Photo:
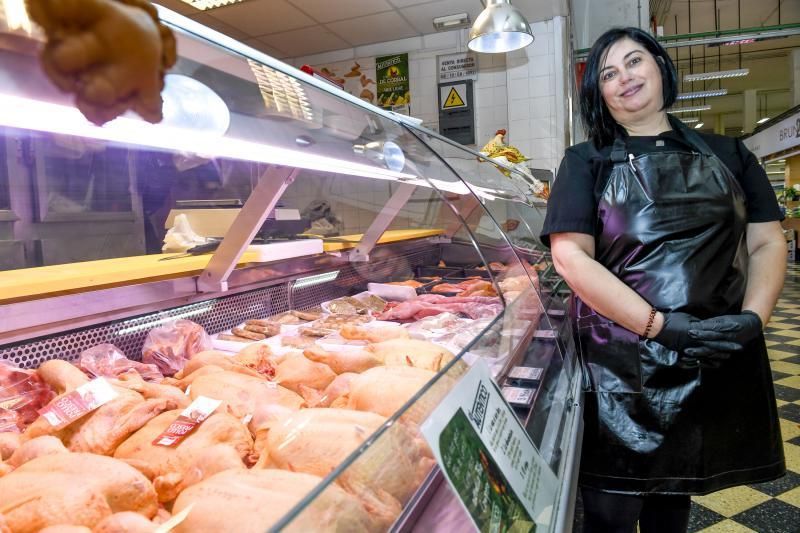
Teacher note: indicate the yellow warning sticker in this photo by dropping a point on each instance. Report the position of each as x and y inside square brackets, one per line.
[454, 99]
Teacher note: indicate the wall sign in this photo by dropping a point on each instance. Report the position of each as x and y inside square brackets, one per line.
[777, 138]
[393, 84]
[488, 458]
[457, 112]
[454, 67]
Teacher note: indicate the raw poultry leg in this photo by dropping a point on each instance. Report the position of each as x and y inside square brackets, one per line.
[338, 387]
[343, 361]
[125, 522]
[411, 352]
[150, 391]
[61, 375]
[296, 370]
[210, 461]
[38, 447]
[9, 442]
[226, 362]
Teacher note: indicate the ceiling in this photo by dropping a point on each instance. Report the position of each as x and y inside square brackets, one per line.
[294, 28]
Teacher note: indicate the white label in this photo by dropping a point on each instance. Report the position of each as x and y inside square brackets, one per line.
[86, 398]
[518, 395]
[454, 67]
[526, 373]
[481, 447]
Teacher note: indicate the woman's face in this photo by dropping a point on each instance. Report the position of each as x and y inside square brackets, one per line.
[630, 82]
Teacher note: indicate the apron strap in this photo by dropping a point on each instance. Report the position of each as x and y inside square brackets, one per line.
[690, 136]
[619, 152]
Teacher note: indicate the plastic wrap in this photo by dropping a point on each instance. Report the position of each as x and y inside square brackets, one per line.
[171, 345]
[22, 394]
[106, 360]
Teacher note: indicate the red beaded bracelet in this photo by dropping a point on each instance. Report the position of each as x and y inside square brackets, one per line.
[650, 320]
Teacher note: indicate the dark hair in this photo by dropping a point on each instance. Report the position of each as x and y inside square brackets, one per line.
[599, 124]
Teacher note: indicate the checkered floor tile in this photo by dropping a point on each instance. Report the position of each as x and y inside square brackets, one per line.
[772, 507]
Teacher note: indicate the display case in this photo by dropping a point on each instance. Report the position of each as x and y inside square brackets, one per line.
[312, 196]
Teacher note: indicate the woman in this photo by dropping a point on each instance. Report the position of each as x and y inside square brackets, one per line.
[671, 243]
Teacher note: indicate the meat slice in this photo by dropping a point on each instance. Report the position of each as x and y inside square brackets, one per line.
[168, 465]
[252, 501]
[78, 489]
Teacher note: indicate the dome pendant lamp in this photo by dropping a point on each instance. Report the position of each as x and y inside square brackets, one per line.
[499, 28]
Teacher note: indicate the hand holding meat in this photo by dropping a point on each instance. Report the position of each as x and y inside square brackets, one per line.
[111, 54]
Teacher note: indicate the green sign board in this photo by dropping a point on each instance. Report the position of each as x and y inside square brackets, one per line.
[393, 86]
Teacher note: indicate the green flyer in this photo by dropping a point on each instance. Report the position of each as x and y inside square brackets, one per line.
[393, 85]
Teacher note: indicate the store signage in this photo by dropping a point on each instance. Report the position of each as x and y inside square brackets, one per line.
[453, 96]
[454, 67]
[781, 136]
[393, 83]
[488, 458]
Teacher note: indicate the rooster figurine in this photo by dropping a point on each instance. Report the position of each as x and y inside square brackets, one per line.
[499, 151]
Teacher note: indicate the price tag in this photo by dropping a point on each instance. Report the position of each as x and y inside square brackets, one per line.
[525, 373]
[68, 408]
[191, 417]
[488, 458]
[519, 396]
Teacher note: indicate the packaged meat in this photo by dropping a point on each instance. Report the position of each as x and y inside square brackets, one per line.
[346, 305]
[169, 346]
[22, 394]
[106, 360]
[436, 326]
[373, 302]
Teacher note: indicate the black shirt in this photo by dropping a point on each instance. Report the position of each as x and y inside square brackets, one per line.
[572, 206]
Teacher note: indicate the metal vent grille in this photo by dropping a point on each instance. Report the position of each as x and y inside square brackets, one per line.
[129, 335]
[218, 314]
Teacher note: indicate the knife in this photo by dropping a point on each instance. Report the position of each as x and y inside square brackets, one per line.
[196, 250]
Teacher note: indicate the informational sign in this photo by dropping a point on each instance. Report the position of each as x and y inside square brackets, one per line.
[453, 96]
[488, 458]
[455, 67]
[777, 138]
[456, 111]
[356, 76]
[393, 84]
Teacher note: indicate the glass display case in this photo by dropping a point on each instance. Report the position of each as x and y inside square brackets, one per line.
[309, 195]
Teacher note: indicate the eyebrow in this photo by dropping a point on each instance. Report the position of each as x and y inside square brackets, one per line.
[624, 58]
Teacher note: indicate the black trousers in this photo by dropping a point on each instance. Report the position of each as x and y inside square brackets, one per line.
[605, 512]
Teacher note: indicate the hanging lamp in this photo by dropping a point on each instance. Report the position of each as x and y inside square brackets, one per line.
[499, 28]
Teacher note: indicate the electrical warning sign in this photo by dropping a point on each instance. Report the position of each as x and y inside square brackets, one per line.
[453, 96]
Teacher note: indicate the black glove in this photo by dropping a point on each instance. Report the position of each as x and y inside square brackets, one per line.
[703, 357]
[728, 333]
[674, 333]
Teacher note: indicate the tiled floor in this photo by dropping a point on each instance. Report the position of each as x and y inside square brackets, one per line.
[772, 507]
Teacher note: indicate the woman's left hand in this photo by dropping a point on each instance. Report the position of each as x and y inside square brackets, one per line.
[735, 330]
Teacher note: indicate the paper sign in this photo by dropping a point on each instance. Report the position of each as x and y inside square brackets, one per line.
[70, 407]
[191, 417]
[454, 67]
[393, 80]
[488, 458]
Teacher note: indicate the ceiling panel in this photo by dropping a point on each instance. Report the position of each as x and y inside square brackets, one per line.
[330, 10]
[259, 17]
[305, 41]
[373, 28]
[208, 20]
[421, 16]
[406, 3]
[261, 46]
[179, 7]
[539, 10]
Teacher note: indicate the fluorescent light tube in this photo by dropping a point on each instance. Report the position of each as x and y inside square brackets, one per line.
[762, 120]
[210, 4]
[689, 109]
[699, 125]
[701, 76]
[690, 120]
[702, 94]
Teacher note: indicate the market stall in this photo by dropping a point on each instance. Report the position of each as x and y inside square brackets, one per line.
[313, 276]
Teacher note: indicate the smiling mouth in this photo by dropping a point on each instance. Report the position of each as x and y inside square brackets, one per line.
[632, 91]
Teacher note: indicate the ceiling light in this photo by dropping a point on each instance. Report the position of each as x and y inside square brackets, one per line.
[717, 75]
[499, 28]
[210, 4]
[698, 125]
[762, 120]
[690, 120]
[689, 109]
[451, 22]
[702, 94]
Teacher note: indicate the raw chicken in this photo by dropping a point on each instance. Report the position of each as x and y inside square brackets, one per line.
[385, 389]
[240, 394]
[264, 418]
[338, 387]
[252, 501]
[63, 528]
[296, 370]
[73, 488]
[343, 361]
[227, 362]
[373, 334]
[9, 442]
[411, 352]
[210, 461]
[38, 447]
[22, 394]
[171, 463]
[125, 522]
[133, 381]
[102, 430]
[106, 360]
[316, 441]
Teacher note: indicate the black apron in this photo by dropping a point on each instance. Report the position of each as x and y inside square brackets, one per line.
[671, 225]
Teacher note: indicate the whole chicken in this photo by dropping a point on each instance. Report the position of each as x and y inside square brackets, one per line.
[103, 429]
[165, 465]
[240, 394]
[252, 501]
[411, 352]
[297, 370]
[316, 441]
[256, 364]
[384, 389]
[125, 522]
[78, 489]
[344, 361]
